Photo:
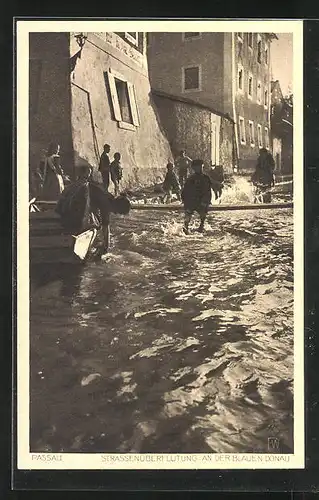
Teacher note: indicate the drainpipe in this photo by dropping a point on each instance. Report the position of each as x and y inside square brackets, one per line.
[234, 85]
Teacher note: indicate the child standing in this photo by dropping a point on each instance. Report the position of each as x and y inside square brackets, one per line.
[116, 172]
[171, 184]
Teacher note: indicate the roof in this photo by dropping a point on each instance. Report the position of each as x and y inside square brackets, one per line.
[186, 100]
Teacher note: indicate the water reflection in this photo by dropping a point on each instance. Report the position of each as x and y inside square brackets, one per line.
[187, 341]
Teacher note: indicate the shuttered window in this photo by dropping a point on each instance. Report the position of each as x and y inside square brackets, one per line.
[123, 100]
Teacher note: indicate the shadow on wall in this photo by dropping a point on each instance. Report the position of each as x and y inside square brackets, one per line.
[159, 122]
[79, 161]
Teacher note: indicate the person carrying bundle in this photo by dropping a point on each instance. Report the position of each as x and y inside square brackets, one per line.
[85, 204]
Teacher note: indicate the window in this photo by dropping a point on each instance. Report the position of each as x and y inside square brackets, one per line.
[240, 78]
[250, 40]
[251, 133]
[259, 49]
[266, 98]
[259, 135]
[266, 138]
[191, 78]
[266, 55]
[190, 35]
[132, 37]
[250, 86]
[259, 92]
[242, 134]
[123, 101]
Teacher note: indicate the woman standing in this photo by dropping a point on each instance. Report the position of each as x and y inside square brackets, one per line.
[51, 174]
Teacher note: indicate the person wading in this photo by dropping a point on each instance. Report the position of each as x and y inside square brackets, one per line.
[84, 205]
[104, 166]
[263, 178]
[196, 196]
[183, 164]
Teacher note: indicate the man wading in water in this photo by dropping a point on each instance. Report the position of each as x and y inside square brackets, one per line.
[196, 196]
[85, 204]
[183, 164]
[263, 178]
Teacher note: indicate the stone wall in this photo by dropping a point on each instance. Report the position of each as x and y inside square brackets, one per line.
[144, 148]
[188, 127]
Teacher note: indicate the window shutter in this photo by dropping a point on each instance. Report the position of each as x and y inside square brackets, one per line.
[114, 97]
[134, 111]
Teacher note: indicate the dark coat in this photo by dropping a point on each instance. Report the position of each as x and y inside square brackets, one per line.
[82, 205]
[264, 173]
[197, 192]
[171, 182]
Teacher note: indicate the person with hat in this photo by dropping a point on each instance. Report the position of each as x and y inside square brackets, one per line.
[85, 204]
[104, 166]
[196, 196]
[183, 163]
[171, 184]
[263, 178]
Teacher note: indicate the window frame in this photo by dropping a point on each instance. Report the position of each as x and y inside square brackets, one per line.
[252, 41]
[267, 146]
[259, 99]
[241, 119]
[266, 92]
[266, 52]
[250, 76]
[240, 68]
[199, 66]
[259, 136]
[259, 41]
[251, 138]
[131, 39]
[111, 75]
[187, 39]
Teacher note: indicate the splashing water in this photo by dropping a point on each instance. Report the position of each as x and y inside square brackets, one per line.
[238, 193]
[185, 343]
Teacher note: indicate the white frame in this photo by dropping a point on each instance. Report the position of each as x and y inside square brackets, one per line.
[250, 47]
[259, 39]
[241, 120]
[191, 38]
[240, 68]
[199, 66]
[259, 136]
[259, 98]
[131, 39]
[264, 93]
[251, 136]
[112, 74]
[266, 53]
[267, 142]
[250, 96]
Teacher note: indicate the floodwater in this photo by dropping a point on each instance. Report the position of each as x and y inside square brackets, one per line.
[174, 344]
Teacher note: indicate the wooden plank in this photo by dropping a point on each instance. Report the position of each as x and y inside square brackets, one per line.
[214, 208]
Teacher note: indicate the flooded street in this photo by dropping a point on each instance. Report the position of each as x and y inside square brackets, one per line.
[173, 344]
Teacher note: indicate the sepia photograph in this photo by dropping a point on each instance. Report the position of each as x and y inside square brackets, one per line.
[160, 235]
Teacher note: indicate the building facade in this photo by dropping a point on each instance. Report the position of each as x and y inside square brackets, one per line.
[199, 130]
[88, 89]
[229, 72]
[281, 116]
